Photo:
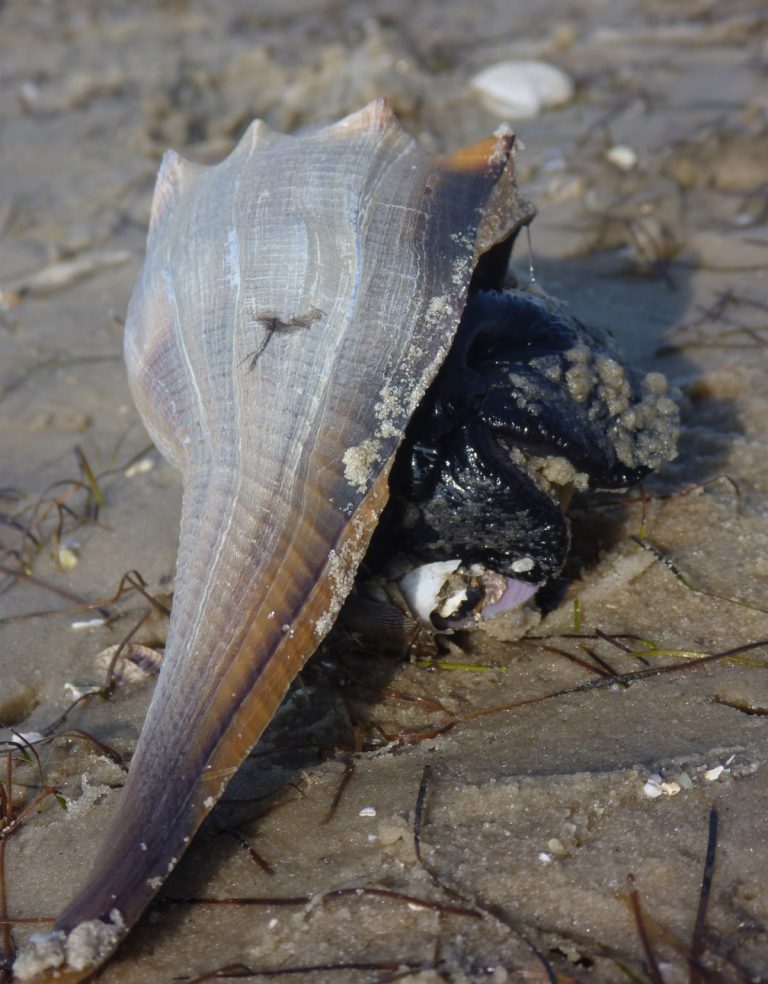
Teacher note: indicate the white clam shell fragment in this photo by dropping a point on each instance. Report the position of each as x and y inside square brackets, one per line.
[421, 587]
[295, 303]
[622, 157]
[518, 90]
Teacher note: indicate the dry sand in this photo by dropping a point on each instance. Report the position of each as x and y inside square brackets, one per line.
[541, 818]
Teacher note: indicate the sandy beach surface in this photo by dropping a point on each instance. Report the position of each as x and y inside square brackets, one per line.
[554, 835]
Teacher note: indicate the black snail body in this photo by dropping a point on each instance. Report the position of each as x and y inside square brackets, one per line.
[529, 404]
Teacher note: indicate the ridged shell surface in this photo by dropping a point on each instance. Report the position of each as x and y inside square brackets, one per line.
[295, 303]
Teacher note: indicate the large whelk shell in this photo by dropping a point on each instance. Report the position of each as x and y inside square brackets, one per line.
[295, 302]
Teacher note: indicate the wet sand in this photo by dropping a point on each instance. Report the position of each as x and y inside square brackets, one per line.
[539, 820]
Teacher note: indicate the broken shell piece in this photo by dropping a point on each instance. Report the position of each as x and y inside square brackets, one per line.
[622, 157]
[140, 467]
[88, 623]
[652, 788]
[519, 90]
[67, 555]
[422, 586]
[134, 665]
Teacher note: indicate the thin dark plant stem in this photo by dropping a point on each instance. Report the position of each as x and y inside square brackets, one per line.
[349, 768]
[109, 682]
[650, 957]
[697, 938]
[418, 814]
[491, 910]
[5, 826]
[8, 947]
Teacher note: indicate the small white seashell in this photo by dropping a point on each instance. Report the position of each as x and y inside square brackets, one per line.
[453, 602]
[88, 623]
[422, 586]
[671, 788]
[523, 565]
[522, 89]
[622, 157]
[711, 774]
[67, 558]
[140, 467]
[556, 847]
[652, 788]
[368, 811]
